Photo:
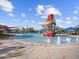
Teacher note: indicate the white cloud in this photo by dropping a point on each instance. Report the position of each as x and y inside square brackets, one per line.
[30, 9]
[52, 10]
[40, 9]
[76, 12]
[40, 23]
[33, 21]
[60, 14]
[59, 22]
[77, 7]
[75, 17]
[68, 18]
[61, 18]
[6, 6]
[23, 15]
[63, 23]
[68, 22]
[43, 16]
[48, 9]
[26, 21]
[36, 15]
[10, 14]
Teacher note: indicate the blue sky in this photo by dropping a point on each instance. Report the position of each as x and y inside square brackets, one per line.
[34, 12]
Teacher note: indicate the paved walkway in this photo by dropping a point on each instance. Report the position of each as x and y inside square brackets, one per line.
[42, 52]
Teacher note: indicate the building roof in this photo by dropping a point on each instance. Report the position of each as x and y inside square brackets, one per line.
[71, 28]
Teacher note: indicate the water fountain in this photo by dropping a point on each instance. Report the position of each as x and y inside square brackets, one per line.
[68, 39]
[58, 40]
[48, 40]
[77, 39]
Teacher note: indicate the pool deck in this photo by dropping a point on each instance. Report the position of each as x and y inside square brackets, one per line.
[40, 51]
[77, 36]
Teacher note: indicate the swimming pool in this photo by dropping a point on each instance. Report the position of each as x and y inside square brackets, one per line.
[37, 38]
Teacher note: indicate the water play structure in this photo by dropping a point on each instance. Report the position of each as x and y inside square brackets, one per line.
[50, 25]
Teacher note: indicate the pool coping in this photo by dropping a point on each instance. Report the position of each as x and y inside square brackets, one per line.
[47, 45]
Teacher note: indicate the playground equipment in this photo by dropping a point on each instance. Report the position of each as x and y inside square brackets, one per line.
[50, 25]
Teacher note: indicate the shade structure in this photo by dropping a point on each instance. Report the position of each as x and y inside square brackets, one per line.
[71, 28]
[11, 27]
[1, 27]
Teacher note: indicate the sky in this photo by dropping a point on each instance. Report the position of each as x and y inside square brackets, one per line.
[33, 13]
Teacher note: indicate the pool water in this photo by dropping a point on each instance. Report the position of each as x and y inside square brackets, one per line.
[37, 38]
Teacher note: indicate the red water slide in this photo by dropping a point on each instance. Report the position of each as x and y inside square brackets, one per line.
[50, 17]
